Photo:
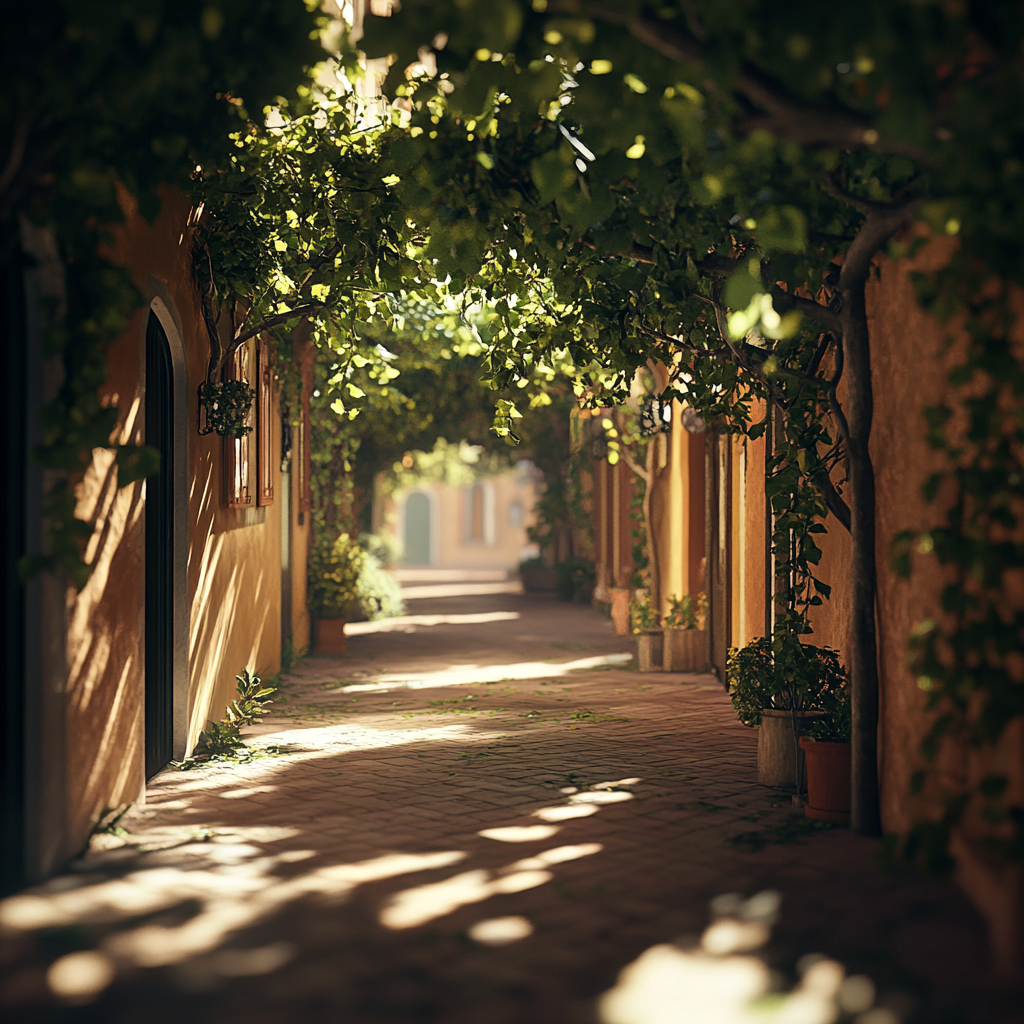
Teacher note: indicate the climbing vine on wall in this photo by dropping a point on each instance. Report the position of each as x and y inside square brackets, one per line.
[104, 103]
[967, 659]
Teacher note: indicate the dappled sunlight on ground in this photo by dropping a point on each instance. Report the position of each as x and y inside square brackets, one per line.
[717, 981]
[540, 849]
[473, 675]
[434, 590]
[410, 623]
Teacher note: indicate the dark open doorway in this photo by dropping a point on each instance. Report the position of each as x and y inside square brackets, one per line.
[159, 551]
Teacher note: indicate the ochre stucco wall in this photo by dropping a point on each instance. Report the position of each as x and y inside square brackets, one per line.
[105, 674]
[910, 364]
[908, 373]
[234, 576]
[234, 582]
[677, 510]
[749, 538]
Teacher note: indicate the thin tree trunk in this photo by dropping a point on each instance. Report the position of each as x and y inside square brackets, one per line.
[863, 654]
[652, 554]
[880, 224]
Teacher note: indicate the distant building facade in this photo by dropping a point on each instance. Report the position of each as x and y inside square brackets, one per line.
[482, 526]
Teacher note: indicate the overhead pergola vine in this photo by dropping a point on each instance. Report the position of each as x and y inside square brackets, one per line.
[709, 132]
[706, 183]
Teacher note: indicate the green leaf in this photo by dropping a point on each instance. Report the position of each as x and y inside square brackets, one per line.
[553, 173]
[136, 463]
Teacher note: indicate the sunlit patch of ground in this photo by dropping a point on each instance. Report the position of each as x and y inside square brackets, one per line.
[537, 847]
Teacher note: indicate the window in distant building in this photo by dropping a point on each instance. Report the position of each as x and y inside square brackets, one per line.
[515, 514]
[475, 515]
[264, 425]
[480, 514]
[239, 449]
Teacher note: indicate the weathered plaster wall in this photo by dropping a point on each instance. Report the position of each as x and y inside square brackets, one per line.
[748, 539]
[234, 582]
[908, 374]
[677, 508]
[910, 363]
[234, 555]
[105, 665]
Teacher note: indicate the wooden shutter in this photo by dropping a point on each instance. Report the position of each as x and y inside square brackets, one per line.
[264, 425]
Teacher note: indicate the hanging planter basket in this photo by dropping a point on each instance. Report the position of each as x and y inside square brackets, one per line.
[224, 408]
[655, 415]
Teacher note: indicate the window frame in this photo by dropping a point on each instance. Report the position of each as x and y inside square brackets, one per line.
[264, 423]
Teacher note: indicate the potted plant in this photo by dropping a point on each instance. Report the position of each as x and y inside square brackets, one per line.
[684, 639]
[537, 577]
[826, 748]
[575, 580]
[649, 635]
[782, 686]
[334, 569]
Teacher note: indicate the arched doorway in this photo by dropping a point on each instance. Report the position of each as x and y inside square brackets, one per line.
[159, 694]
[417, 529]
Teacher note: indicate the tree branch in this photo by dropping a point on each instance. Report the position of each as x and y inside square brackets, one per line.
[881, 223]
[271, 321]
[784, 301]
[635, 466]
[210, 320]
[787, 116]
[833, 499]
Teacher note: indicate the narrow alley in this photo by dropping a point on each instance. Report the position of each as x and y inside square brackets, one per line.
[481, 813]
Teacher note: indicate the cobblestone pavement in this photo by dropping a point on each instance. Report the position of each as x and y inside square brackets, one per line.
[479, 815]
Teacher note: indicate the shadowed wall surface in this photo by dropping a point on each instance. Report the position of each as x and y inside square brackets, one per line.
[234, 556]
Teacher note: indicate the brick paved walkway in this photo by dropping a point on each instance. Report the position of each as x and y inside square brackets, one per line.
[480, 815]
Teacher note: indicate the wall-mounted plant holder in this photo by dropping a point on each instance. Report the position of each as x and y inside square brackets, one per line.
[224, 408]
[655, 415]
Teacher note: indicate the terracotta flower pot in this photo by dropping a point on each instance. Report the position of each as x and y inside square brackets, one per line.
[684, 650]
[329, 636]
[649, 648]
[828, 780]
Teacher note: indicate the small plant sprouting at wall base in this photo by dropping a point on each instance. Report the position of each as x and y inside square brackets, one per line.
[224, 738]
[108, 823]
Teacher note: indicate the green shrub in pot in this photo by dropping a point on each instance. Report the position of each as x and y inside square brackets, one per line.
[334, 569]
[575, 579]
[378, 593]
[642, 615]
[781, 680]
[784, 674]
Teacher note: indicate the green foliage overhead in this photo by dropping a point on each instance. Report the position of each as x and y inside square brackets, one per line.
[98, 94]
[686, 174]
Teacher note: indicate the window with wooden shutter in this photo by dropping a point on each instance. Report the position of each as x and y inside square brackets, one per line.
[264, 424]
[239, 449]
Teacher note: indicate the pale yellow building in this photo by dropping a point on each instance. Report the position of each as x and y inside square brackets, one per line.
[481, 526]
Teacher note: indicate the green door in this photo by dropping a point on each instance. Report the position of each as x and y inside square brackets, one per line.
[417, 529]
